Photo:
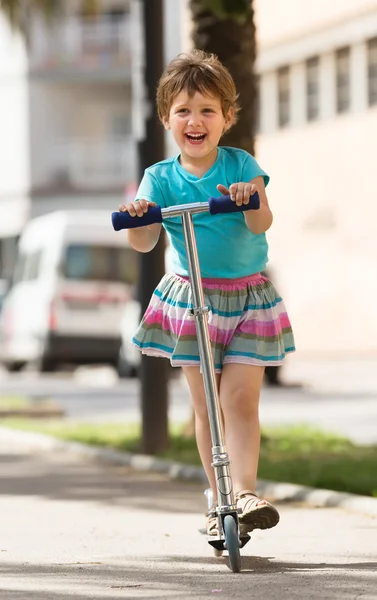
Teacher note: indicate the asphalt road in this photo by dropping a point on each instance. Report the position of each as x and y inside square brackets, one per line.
[338, 396]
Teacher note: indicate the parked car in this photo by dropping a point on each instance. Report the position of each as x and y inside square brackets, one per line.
[72, 279]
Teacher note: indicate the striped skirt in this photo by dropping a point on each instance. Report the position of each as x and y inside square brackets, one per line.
[248, 322]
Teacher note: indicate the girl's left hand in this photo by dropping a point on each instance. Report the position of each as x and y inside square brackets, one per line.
[239, 192]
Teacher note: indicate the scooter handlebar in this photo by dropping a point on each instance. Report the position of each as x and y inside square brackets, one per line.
[123, 220]
[221, 204]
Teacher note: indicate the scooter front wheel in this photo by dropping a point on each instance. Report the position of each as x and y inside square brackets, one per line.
[232, 543]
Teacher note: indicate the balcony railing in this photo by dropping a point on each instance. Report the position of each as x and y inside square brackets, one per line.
[80, 44]
[90, 165]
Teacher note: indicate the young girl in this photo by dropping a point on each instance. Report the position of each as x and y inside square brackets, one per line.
[249, 326]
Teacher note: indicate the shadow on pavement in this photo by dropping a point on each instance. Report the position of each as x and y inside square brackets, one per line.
[188, 577]
[61, 477]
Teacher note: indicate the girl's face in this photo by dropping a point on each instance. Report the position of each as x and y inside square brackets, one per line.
[197, 124]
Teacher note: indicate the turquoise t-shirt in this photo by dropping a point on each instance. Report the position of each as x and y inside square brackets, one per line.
[226, 247]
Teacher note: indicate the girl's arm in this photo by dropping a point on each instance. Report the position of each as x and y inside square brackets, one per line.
[258, 221]
[144, 239]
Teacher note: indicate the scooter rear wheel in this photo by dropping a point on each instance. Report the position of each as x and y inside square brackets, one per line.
[232, 543]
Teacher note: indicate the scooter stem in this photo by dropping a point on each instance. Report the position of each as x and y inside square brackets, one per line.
[221, 463]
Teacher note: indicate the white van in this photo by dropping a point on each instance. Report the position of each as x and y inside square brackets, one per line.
[129, 355]
[73, 277]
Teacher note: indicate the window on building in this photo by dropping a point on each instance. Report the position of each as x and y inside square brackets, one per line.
[312, 88]
[342, 80]
[372, 72]
[283, 97]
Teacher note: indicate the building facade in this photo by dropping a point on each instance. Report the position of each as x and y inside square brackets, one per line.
[317, 137]
[67, 113]
[14, 143]
[81, 150]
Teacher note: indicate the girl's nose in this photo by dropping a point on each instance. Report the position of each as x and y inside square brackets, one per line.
[194, 119]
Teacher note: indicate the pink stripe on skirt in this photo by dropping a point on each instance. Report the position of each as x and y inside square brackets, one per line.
[223, 283]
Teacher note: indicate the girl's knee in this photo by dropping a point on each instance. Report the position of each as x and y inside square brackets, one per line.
[240, 390]
[243, 401]
[195, 382]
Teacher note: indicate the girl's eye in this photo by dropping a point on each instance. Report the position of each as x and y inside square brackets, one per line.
[209, 110]
[182, 110]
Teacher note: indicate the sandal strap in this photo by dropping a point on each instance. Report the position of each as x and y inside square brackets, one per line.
[248, 501]
[211, 524]
[244, 494]
[212, 512]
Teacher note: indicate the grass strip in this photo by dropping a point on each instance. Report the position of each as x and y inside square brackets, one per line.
[297, 454]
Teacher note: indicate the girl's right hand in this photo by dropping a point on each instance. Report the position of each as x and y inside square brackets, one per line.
[137, 208]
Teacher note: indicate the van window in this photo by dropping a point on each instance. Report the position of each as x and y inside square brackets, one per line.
[100, 263]
[27, 266]
[33, 262]
[19, 269]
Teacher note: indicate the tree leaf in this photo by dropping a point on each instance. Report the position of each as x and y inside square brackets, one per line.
[238, 10]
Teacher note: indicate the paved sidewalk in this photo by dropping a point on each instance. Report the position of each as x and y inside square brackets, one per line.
[77, 529]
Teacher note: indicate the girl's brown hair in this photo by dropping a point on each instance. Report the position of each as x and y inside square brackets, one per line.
[196, 71]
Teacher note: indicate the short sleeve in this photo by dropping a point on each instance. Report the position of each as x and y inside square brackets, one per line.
[150, 189]
[251, 169]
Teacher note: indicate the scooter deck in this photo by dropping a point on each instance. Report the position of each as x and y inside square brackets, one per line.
[218, 543]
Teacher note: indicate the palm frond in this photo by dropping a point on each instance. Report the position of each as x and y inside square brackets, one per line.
[14, 12]
[237, 10]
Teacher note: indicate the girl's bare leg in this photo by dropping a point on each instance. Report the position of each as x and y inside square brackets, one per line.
[239, 391]
[202, 431]
[239, 398]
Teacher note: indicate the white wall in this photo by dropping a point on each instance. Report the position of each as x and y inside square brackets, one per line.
[280, 19]
[323, 243]
[323, 246]
[14, 178]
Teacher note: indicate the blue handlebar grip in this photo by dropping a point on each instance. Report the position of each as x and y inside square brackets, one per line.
[223, 204]
[123, 220]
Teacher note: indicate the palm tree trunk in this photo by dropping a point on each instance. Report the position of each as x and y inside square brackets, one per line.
[226, 28]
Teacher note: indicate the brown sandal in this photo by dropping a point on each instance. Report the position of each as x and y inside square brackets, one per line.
[211, 525]
[255, 515]
[212, 528]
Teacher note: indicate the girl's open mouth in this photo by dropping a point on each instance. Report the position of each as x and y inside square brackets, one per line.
[195, 138]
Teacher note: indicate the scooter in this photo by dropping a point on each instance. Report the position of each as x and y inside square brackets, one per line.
[226, 510]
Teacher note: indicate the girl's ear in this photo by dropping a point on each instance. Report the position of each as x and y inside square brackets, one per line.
[166, 124]
[229, 118]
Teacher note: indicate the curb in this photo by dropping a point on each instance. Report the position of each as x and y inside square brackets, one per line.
[280, 492]
[31, 413]
[39, 409]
